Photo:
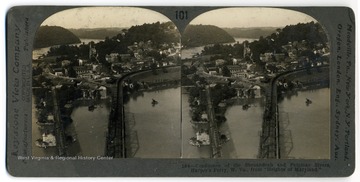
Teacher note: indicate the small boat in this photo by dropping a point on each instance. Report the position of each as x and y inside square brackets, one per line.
[308, 101]
[91, 107]
[245, 106]
[154, 102]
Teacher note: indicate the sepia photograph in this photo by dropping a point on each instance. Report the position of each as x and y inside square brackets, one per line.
[255, 85]
[238, 83]
[180, 91]
[106, 82]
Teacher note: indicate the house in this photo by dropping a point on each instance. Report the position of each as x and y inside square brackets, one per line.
[267, 56]
[220, 62]
[65, 63]
[112, 57]
[102, 91]
[235, 61]
[255, 91]
[213, 70]
[204, 117]
[83, 72]
[81, 62]
[125, 57]
[235, 69]
[203, 137]
[58, 71]
[81, 69]
[49, 139]
[279, 56]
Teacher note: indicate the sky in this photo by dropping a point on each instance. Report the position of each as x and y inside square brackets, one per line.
[251, 17]
[124, 17]
[100, 17]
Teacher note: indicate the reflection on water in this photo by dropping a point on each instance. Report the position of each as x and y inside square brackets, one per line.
[157, 126]
[90, 129]
[163, 130]
[243, 128]
[309, 125]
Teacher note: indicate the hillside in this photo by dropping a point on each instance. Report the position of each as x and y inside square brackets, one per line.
[254, 32]
[304, 37]
[96, 33]
[199, 35]
[47, 36]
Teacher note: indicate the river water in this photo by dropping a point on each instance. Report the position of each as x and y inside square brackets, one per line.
[307, 127]
[157, 126]
[37, 53]
[243, 127]
[88, 128]
[190, 52]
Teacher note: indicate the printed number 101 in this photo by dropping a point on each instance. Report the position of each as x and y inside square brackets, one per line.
[181, 15]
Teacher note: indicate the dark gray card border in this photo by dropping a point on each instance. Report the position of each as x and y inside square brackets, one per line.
[22, 23]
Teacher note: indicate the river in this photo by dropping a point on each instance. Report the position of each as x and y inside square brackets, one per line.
[88, 128]
[155, 129]
[243, 127]
[306, 128]
[37, 53]
[190, 52]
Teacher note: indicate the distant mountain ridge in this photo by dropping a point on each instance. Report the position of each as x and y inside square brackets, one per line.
[199, 35]
[47, 36]
[253, 32]
[96, 33]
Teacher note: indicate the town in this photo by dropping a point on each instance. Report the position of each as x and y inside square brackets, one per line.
[241, 73]
[106, 76]
[87, 73]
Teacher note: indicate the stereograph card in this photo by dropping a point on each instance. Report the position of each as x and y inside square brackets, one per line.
[180, 91]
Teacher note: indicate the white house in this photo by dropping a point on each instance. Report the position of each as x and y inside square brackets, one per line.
[256, 90]
[203, 137]
[102, 91]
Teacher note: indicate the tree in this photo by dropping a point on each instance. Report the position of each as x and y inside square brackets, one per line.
[153, 67]
[117, 68]
[71, 72]
[226, 72]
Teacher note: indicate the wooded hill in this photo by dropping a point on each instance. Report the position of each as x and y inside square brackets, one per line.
[47, 36]
[96, 33]
[253, 32]
[199, 35]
